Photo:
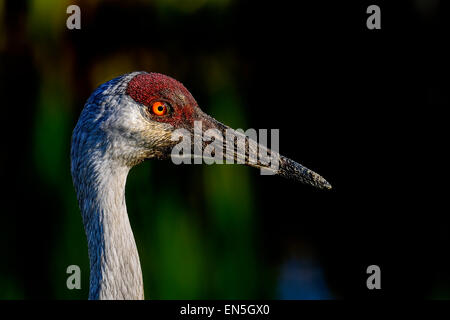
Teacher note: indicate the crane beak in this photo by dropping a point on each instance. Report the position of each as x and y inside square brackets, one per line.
[249, 151]
[292, 170]
[277, 164]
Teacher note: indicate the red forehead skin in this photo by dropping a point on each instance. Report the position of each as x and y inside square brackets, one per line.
[147, 88]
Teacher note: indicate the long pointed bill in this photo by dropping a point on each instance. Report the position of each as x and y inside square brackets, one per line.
[213, 142]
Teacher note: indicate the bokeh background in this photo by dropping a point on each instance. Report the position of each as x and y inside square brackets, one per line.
[363, 108]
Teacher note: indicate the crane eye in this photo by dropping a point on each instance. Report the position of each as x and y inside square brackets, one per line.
[159, 108]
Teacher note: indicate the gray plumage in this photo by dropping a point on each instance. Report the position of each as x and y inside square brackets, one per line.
[99, 173]
[114, 133]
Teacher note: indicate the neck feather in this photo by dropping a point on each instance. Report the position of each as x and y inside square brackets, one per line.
[115, 271]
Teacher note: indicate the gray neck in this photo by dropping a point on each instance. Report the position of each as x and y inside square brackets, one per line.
[115, 270]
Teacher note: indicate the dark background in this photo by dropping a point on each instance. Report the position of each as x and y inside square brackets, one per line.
[364, 108]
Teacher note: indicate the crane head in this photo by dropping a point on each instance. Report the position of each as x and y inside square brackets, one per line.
[133, 117]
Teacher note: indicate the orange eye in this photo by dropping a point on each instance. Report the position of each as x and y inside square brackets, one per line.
[159, 108]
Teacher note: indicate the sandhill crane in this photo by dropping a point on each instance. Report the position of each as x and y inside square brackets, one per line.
[125, 121]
